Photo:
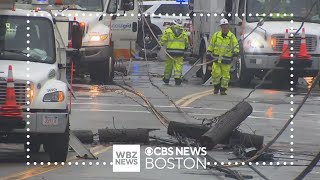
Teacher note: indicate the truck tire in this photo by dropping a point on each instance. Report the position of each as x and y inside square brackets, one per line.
[204, 71]
[148, 37]
[104, 72]
[199, 73]
[57, 145]
[34, 147]
[242, 75]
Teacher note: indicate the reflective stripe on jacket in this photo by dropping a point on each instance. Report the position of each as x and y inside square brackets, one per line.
[224, 48]
[175, 43]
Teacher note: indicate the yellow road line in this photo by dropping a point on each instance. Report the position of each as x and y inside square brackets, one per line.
[190, 96]
[46, 168]
[191, 100]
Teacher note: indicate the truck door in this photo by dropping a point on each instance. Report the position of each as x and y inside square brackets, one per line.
[124, 27]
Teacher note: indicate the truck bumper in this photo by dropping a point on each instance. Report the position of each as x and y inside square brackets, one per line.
[44, 123]
[266, 62]
[96, 53]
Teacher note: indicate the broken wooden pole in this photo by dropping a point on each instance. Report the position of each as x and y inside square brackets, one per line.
[124, 135]
[246, 140]
[85, 136]
[225, 125]
[194, 131]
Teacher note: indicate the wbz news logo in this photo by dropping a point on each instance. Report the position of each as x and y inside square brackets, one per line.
[126, 158]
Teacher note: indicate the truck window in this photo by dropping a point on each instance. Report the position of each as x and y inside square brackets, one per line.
[146, 7]
[13, 39]
[299, 8]
[112, 6]
[129, 3]
[172, 9]
[84, 5]
[241, 8]
[229, 6]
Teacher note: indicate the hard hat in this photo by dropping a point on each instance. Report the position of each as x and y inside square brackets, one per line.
[223, 21]
[178, 22]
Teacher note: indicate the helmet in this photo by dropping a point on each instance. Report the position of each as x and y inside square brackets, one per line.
[178, 22]
[223, 21]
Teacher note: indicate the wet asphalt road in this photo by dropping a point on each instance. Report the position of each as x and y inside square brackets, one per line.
[98, 107]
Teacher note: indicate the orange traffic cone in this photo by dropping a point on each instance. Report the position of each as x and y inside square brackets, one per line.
[10, 107]
[303, 54]
[285, 48]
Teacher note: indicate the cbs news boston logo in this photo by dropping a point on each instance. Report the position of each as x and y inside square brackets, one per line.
[126, 158]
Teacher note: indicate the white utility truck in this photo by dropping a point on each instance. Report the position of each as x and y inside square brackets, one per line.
[30, 42]
[102, 46]
[262, 42]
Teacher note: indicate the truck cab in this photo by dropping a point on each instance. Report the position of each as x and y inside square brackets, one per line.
[262, 49]
[105, 39]
[32, 45]
[260, 26]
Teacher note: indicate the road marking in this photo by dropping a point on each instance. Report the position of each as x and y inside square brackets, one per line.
[195, 114]
[185, 107]
[109, 110]
[190, 96]
[191, 100]
[46, 168]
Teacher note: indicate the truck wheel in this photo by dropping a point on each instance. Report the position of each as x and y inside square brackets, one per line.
[34, 147]
[57, 145]
[243, 77]
[149, 39]
[199, 73]
[109, 75]
[105, 71]
[205, 71]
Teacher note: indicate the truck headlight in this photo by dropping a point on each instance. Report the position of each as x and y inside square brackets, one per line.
[255, 43]
[54, 97]
[99, 38]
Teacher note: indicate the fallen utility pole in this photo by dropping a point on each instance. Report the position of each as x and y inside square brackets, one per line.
[246, 140]
[194, 131]
[226, 124]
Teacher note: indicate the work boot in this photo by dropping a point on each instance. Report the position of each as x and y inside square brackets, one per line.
[166, 81]
[223, 91]
[178, 81]
[216, 88]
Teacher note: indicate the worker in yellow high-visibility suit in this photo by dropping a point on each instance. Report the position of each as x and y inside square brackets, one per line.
[176, 40]
[223, 47]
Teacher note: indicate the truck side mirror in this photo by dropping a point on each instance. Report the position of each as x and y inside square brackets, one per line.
[76, 35]
[127, 5]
